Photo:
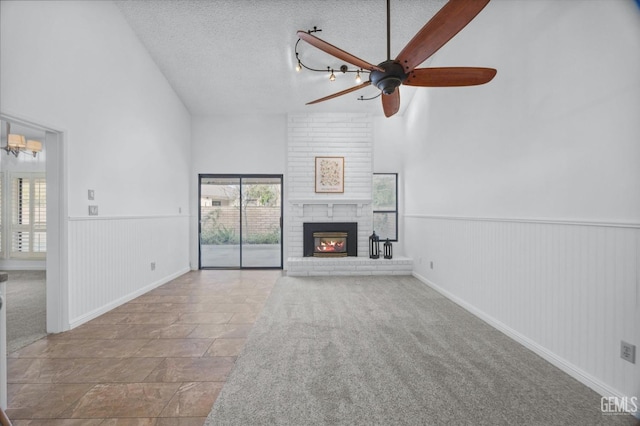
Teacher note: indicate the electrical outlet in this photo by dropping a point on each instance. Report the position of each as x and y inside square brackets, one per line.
[431, 264]
[179, 210]
[628, 352]
[93, 210]
[153, 266]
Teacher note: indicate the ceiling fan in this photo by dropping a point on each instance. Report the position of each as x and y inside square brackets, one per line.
[392, 73]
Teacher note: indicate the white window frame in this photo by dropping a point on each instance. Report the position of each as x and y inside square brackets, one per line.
[31, 228]
[389, 211]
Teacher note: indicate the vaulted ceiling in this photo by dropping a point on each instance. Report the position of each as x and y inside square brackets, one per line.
[237, 56]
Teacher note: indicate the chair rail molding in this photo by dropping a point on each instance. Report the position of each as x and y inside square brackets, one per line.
[545, 221]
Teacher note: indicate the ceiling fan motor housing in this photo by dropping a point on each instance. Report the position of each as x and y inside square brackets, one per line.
[392, 77]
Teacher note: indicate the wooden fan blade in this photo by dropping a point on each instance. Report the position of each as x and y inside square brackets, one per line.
[391, 103]
[337, 52]
[449, 76]
[344, 92]
[445, 24]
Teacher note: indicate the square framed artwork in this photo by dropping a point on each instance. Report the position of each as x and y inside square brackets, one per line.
[330, 174]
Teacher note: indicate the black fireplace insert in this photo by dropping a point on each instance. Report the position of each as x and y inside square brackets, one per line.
[330, 239]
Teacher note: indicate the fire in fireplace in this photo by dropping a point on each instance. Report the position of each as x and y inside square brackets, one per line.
[330, 244]
[330, 239]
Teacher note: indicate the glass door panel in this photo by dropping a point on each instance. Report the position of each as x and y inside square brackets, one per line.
[240, 221]
[219, 222]
[261, 232]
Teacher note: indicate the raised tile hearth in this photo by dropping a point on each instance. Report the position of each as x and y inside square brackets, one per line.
[317, 266]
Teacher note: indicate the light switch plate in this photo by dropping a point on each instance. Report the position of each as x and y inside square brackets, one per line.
[628, 352]
[91, 194]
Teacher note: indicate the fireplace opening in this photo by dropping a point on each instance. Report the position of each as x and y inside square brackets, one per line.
[330, 244]
[330, 239]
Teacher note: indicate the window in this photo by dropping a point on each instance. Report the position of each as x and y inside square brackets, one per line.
[385, 205]
[28, 207]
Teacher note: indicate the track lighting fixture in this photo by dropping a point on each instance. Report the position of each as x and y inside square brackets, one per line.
[332, 77]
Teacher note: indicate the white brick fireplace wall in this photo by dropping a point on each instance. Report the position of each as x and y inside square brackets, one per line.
[331, 135]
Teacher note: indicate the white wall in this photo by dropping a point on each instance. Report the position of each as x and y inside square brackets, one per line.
[239, 144]
[525, 192]
[559, 119]
[245, 144]
[78, 68]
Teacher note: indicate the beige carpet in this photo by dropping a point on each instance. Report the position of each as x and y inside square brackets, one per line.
[26, 308]
[391, 351]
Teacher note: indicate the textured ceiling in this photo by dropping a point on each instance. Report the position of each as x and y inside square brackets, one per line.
[237, 56]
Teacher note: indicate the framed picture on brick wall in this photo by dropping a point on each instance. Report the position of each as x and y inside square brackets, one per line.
[330, 174]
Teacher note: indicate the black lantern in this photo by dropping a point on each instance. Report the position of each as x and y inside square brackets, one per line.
[388, 250]
[374, 246]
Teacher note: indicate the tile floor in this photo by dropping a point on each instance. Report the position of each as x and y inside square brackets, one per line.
[158, 360]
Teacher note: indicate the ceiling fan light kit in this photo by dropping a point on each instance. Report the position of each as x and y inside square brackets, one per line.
[389, 75]
[392, 77]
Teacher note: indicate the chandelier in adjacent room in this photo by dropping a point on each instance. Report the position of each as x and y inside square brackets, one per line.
[17, 144]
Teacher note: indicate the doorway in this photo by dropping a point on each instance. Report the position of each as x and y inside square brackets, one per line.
[23, 236]
[55, 238]
[240, 221]
[56, 229]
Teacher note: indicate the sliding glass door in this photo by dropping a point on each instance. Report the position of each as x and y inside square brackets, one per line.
[219, 222]
[240, 221]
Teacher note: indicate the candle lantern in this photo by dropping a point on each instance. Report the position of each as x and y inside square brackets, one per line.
[388, 250]
[374, 246]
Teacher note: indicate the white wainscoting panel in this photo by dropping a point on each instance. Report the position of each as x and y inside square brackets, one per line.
[110, 260]
[568, 290]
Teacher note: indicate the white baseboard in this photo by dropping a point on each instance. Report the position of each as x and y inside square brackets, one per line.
[106, 308]
[598, 386]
